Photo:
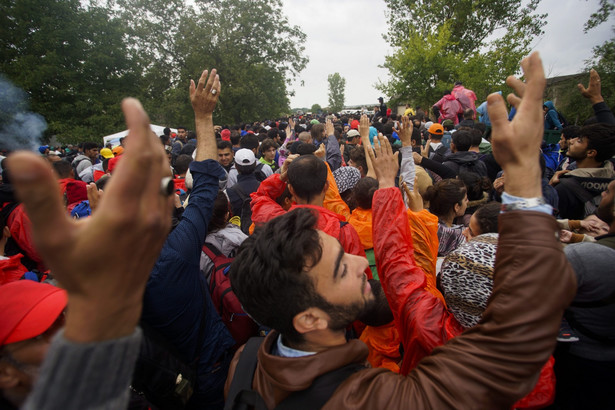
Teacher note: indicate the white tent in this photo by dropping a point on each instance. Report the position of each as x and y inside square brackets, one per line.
[114, 139]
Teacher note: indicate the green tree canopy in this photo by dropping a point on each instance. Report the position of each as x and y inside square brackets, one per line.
[337, 86]
[316, 108]
[443, 41]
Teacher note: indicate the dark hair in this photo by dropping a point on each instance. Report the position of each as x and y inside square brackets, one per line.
[182, 128]
[272, 133]
[475, 185]
[249, 141]
[245, 169]
[89, 145]
[62, 168]
[462, 140]
[364, 192]
[235, 137]
[307, 175]
[164, 139]
[481, 127]
[219, 212]
[600, 137]
[182, 163]
[317, 130]
[269, 273]
[191, 135]
[477, 137]
[267, 144]
[571, 131]
[187, 149]
[225, 145]
[357, 155]
[468, 114]
[167, 131]
[487, 217]
[416, 136]
[444, 195]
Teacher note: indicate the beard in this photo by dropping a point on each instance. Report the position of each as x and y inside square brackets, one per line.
[605, 213]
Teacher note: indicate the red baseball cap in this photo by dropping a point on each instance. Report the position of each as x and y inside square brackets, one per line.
[354, 125]
[225, 134]
[28, 309]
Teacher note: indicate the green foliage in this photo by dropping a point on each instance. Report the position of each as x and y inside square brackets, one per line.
[316, 108]
[440, 42]
[603, 61]
[71, 61]
[337, 85]
[606, 8]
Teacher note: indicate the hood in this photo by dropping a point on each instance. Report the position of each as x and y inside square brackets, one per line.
[607, 171]
[227, 239]
[449, 97]
[463, 157]
[328, 222]
[549, 105]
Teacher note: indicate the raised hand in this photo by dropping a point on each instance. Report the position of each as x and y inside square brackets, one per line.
[384, 162]
[204, 95]
[516, 143]
[593, 91]
[405, 131]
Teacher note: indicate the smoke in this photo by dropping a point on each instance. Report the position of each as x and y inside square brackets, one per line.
[19, 128]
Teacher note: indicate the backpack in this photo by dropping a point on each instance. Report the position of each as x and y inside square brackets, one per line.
[588, 190]
[161, 375]
[562, 119]
[239, 324]
[75, 165]
[258, 172]
[246, 209]
[241, 396]
[81, 210]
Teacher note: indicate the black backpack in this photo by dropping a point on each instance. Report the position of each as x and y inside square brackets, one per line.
[246, 208]
[161, 376]
[242, 397]
[258, 172]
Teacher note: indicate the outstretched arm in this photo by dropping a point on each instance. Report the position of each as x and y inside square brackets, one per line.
[593, 93]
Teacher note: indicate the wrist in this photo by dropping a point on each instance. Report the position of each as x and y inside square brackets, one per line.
[596, 100]
[203, 117]
[386, 183]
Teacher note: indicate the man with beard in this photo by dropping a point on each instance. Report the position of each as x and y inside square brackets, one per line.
[296, 279]
[585, 370]
[579, 190]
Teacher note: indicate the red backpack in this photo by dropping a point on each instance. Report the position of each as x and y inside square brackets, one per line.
[241, 326]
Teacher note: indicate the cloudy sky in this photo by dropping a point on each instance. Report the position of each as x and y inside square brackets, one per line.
[345, 36]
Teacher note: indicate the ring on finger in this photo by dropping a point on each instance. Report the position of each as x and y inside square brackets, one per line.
[214, 91]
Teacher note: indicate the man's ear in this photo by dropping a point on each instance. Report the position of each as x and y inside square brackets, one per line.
[310, 319]
[453, 148]
[8, 376]
[591, 153]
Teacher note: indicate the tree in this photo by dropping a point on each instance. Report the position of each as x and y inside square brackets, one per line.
[316, 108]
[337, 84]
[439, 42]
[71, 61]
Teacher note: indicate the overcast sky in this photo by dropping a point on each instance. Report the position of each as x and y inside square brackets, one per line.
[345, 36]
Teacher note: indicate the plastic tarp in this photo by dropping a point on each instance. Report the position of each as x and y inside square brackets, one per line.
[114, 139]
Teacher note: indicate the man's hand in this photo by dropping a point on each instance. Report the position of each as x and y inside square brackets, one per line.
[565, 236]
[204, 95]
[595, 226]
[104, 261]
[94, 195]
[321, 151]
[593, 91]
[405, 131]
[418, 158]
[555, 178]
[329, 130]
[364, 130]
[284, 169]
[414, 200]
[516, 143]
[425, 149]
[384, 162]
[498, 184]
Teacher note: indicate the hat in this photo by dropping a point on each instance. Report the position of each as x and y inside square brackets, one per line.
[346, 178]
[76, 191]
[354, 125]
[436, 129]
[352, 133]
[119, 150]
[225, 134]
[245, 156]
[43, 148]
[447, 123]
[28, 309]
[466, 278]
[106, 153]
[380, 99]
[314, 122]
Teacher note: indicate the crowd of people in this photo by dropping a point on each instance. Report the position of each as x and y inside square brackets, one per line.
[326, 261]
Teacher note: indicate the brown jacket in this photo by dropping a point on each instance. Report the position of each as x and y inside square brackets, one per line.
[489, 366]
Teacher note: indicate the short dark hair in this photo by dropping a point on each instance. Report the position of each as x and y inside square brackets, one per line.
[357, 155]
[468, 114]
[462, 140]
[182, 128]
[225, 145]
[182, 163]
[487, 217]
[364, 192]
[477, 137]
[307, 175]
[89, 145]
[269, 273]
[267, 144]
[600, 137]
[475, 184]
[62, 168]
[235, 137]
[249, 141]
[571, 131]
[245, 169]
[220, 210]
[316, 130]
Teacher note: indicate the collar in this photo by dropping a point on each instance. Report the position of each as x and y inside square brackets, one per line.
[285, 351]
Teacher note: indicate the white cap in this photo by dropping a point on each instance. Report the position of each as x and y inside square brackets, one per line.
[245, 157]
